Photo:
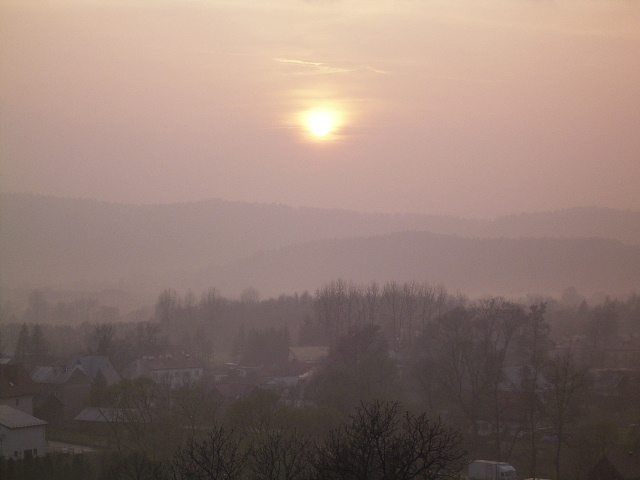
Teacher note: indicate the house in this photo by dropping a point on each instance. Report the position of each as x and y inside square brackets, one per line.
[173, 367]
[615, 382]
[617, 465]
[21, 435]
[97, 367]
[520, 378]
[17, 389]
[287, 388]
[70, 385]
[107, 421]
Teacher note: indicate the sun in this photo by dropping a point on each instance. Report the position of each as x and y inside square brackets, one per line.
[321, 122]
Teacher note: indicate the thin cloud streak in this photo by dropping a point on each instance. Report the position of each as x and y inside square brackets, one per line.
[325, 68]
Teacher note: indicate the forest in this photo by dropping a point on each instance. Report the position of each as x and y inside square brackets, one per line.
[548, 385]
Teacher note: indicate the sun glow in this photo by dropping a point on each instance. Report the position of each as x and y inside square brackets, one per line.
[321, 122]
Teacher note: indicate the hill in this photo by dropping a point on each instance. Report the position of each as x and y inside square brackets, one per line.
[474, 266]
[76, 242]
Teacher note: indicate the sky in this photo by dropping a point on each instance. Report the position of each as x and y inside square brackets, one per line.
[473, 108]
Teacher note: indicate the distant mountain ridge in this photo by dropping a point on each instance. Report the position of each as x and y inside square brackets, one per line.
[51, 240]
[473, 266]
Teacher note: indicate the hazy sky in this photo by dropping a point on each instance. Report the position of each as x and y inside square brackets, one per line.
[468, 107]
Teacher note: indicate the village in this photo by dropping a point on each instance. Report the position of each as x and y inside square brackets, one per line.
[573, 403]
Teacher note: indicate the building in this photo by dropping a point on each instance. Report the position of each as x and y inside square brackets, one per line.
[308, 357]
[21, 435]
[70, 385]
[17, 389]
[173, 367]
[98, 368]
[617, 465]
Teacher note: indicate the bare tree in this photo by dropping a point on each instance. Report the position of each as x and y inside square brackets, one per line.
[168, 306]
[471, 347]
[535, 345]
[496, 322]
[220, 456]
[392, 301]
[567, 382]
[146, 336]
[371, 304]
[134, 465]
[130, 413]
[281, 455]
[101, 339]
[460, 370]
[379, 443]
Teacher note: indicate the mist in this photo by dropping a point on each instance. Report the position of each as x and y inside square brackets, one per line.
[304, 240]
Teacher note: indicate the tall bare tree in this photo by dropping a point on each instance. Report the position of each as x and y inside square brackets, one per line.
[535, 345]
[568, 383]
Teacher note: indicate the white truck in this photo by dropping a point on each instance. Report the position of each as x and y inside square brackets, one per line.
[490, 470]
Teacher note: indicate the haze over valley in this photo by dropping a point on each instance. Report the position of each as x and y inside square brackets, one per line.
[75, 244]
[319, 239]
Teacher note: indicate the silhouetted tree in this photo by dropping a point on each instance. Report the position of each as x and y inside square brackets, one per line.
[146, 336]
[221, 455]
[460, 369]
[601, 328]
[281, 455]
[496, 323]
[255, 415]
[358, 368]
[168, 306]
[568, 384]
[133, 465]
[535, 345]
[101, 339]
[378, 442]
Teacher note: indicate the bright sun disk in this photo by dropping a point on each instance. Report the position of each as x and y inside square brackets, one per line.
[320, 123]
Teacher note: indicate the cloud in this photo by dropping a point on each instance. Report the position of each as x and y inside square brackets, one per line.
[321, 68]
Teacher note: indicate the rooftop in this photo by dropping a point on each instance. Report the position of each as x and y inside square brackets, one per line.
[12, 418]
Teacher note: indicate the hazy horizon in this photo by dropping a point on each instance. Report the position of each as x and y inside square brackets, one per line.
[160, 203]
[465, 108]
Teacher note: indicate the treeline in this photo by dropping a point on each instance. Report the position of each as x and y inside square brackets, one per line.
[515, 377]
[208, 325]
[214, 326]
[494, 367]
[377, 440]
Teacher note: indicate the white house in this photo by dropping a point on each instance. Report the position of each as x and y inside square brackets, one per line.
[21, 434]
[308, 356]
[173, 368]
